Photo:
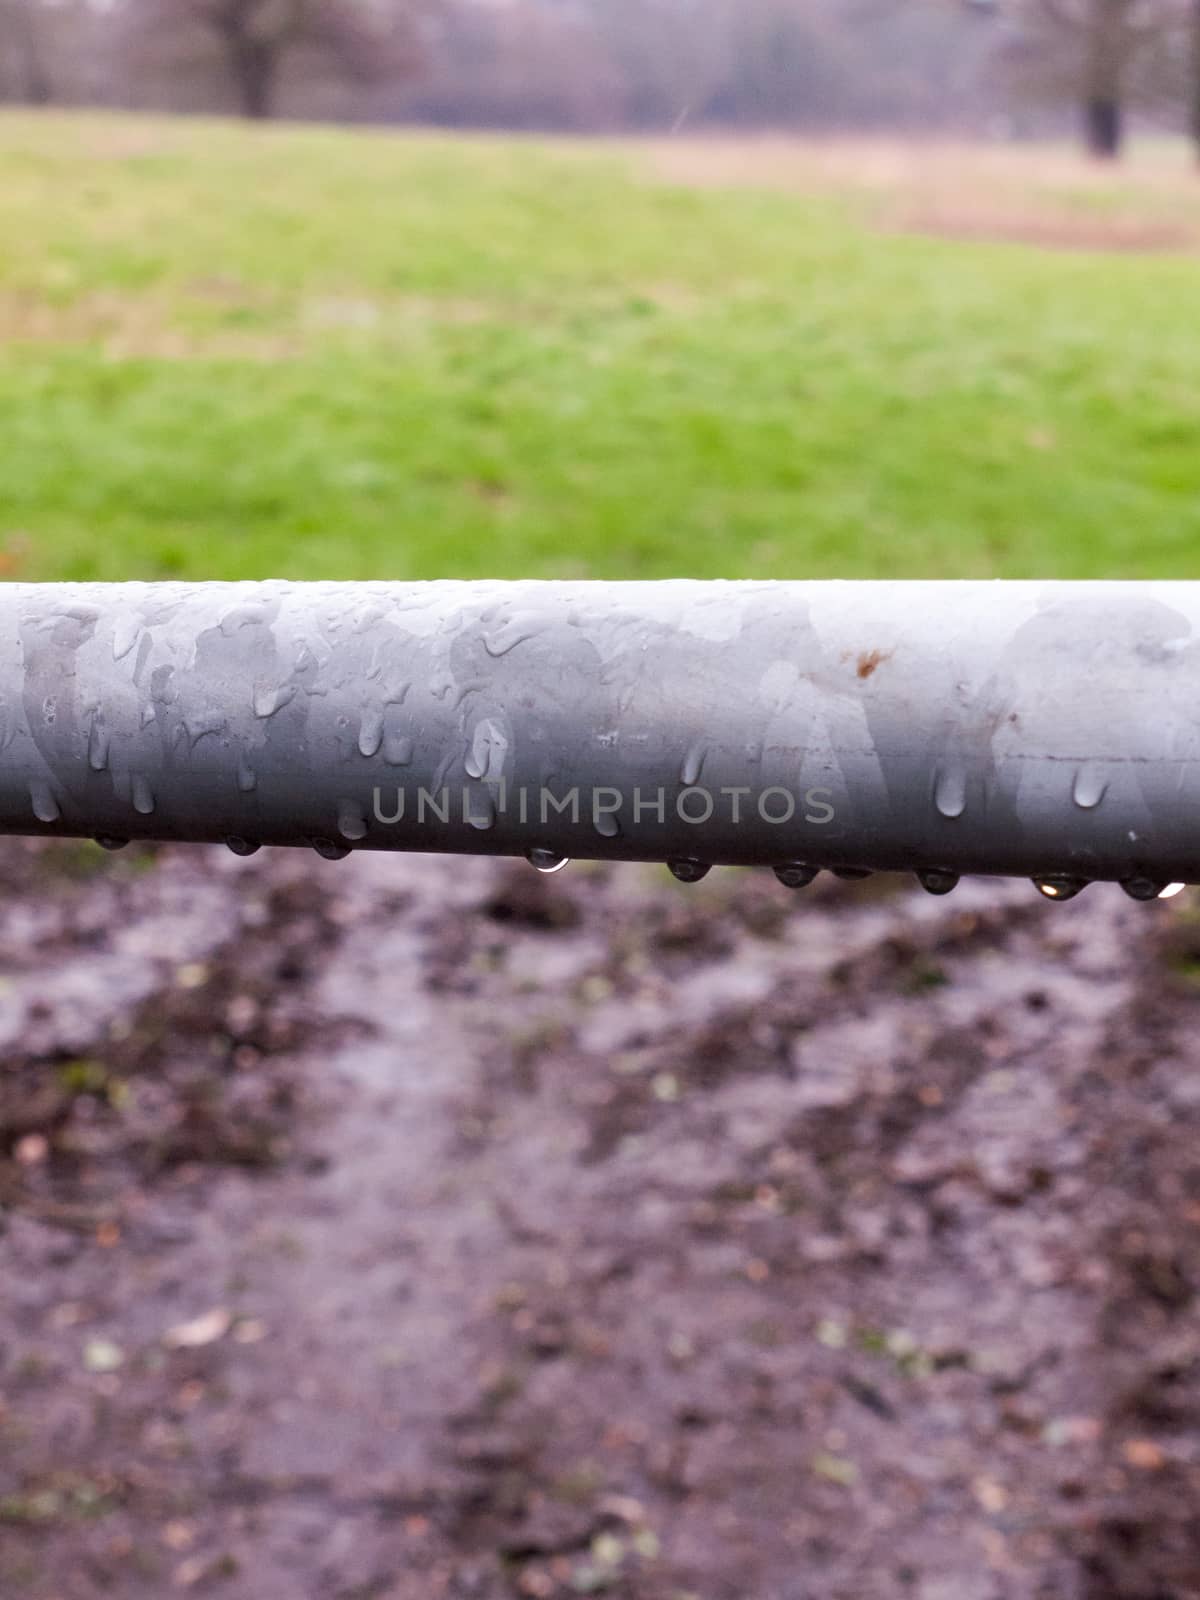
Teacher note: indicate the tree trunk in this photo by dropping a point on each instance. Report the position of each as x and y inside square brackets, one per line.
[1102, 127]
[254, 63]
[1105, 49]
[36, 88]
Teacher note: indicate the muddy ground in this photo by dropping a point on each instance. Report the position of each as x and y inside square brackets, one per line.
[420, 1228]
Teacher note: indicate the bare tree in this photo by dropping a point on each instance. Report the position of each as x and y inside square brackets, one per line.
[1108, 38]
[1091, 49]
[21, 24]
[253, 40]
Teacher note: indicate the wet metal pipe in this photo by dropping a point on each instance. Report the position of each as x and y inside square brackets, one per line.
[1047, 730]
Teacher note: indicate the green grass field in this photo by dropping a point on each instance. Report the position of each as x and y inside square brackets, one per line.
[323, 353]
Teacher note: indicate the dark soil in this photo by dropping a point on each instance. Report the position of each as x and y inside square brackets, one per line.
[396, 1229]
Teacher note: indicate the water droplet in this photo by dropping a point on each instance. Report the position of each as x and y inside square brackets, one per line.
[330, 849]
[795, 874]
[1172, 890]
[143, 795]
[1059, 886]
[162, 686]
[1143, 888]
[351, 821]
[547, 860]
[397, 749]
[688, 870]
[370, 733]
[481, 813]
[45, 806]
[489, 745]
[852, 874]
[272, 697]
[693, 765]
[109, 841]
[506, 638]
[243, 616]
[126, 633]
[242, 847]
[247, 781]
[1090, 786]
[201, 723]
[97, 745]
[950, 791]
[607, 825]
[937, 880]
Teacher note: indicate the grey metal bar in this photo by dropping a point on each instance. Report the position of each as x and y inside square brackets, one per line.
[1046, 730]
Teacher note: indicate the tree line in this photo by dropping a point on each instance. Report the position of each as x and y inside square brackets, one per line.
[606, 65]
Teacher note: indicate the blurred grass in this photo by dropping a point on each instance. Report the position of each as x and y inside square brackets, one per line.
[322, 353]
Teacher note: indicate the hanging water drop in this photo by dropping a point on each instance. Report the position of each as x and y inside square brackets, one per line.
[1144, 888]
[162, 686]
[481, 813]
[688, 870]
[1059, 886]
[489, 746]
[247, 782]
[352, 823]
[693, 765]
[143, 796]
[240, 846]
[1089, 787]
[272, 697]
[110, 841]
[370, 733]
[937, 880]
[45, 806]
[97, 745]
[1172, 890]
[795, 874]
[329, 849]
[546, 860]
[950, 791]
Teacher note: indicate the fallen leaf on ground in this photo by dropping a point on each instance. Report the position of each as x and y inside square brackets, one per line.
[205, 1329]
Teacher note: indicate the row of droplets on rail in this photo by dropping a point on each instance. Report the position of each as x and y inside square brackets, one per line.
[792, 874]
[949, 796]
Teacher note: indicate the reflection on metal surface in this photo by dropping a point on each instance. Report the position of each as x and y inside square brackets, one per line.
[1045, 730]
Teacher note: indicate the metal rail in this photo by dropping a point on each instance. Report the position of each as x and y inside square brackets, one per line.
[1045, 730]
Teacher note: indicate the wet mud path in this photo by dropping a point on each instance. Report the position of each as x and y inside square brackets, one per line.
[399, 1228]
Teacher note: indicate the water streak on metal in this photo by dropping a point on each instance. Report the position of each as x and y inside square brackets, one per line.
[1040, 729]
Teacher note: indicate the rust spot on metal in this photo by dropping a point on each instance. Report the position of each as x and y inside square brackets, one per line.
[869, 660]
